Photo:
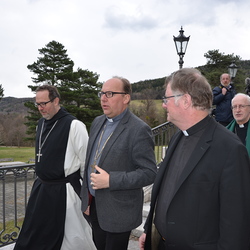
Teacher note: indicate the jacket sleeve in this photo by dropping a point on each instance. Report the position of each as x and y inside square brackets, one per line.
[234, 201]
[217, 95]
[141, 160]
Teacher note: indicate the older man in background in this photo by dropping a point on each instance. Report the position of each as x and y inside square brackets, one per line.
[241, 114]
[222, 97]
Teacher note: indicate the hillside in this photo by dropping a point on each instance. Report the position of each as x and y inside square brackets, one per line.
[158, 83]
[14, 105]
[151, 88]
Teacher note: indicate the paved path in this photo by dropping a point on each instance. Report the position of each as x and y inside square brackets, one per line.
[133, 243]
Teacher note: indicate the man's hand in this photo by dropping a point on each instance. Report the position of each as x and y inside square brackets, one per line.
[142, 240]
[99, 180]
[87, 212]
[224, 91]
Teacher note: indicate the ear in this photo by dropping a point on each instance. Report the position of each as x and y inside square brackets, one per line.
[56, 101]
[126, 99]
[187, 101]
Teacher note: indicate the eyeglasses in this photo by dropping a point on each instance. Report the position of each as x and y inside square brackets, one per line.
[109, 94]
[239, 106]
[165, 98]
[43, 104]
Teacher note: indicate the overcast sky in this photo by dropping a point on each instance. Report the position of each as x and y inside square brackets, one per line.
[130, 38]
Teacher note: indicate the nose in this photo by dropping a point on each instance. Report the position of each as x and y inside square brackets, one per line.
[103, 97]
[40, 107]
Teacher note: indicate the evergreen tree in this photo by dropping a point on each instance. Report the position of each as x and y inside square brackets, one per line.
[78, 89]
[79, 96]
[53, 67]
[217, 64]
[1, 91]
[32, 119]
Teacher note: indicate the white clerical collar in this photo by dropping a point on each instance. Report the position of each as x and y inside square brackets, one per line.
[185, 133]
[110, 119]
[241, 125]
[118, 117]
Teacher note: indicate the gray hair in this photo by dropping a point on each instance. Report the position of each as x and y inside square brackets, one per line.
[246, 97]
[191, 81]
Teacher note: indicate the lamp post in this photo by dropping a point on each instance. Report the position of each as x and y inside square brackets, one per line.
[232, 70]
[181, 42]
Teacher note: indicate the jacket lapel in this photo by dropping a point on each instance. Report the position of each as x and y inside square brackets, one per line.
[248, 139]
[97, 126]
[119, 129]
[199, 151]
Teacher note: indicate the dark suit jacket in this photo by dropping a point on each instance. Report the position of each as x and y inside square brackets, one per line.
[210, 208]
[129, 159]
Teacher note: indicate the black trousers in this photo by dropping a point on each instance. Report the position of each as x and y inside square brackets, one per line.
[106, 240]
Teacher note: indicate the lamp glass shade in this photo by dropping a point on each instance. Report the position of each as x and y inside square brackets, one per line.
[181, 42]
[232, 70]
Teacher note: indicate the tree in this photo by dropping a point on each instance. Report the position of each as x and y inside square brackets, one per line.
[79, 95]
[12, 129]
[31, 121]
[78, 89]
[214, 57]
[1, 91]
[217, 64]
[146, 108]
[53, 67]
[156, 86]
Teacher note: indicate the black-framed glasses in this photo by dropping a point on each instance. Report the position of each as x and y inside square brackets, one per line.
[239, 106]
[109, 94]
[165, 98]
[43, 104]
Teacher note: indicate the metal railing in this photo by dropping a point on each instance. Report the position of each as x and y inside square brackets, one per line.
[15, 186]
[16, 182]
[162, 135]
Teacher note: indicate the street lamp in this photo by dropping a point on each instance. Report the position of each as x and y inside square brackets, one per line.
[181, 43]
[232, 70]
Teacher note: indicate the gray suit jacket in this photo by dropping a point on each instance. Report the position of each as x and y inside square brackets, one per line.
[129, 159]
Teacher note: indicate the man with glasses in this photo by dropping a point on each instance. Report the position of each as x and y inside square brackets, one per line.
[241, 114]
[54, 220]
[120, 161]
[200, 198]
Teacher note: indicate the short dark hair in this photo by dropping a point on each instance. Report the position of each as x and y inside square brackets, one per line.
[53, 91]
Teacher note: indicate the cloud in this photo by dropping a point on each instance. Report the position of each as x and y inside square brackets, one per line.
[130, 38]
[119, 18]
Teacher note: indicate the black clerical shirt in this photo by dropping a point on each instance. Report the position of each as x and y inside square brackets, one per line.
[177, 163]
[241, 131]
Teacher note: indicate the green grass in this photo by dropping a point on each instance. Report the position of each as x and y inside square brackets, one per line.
[18, 154]
[158, 104]
[25, 153]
